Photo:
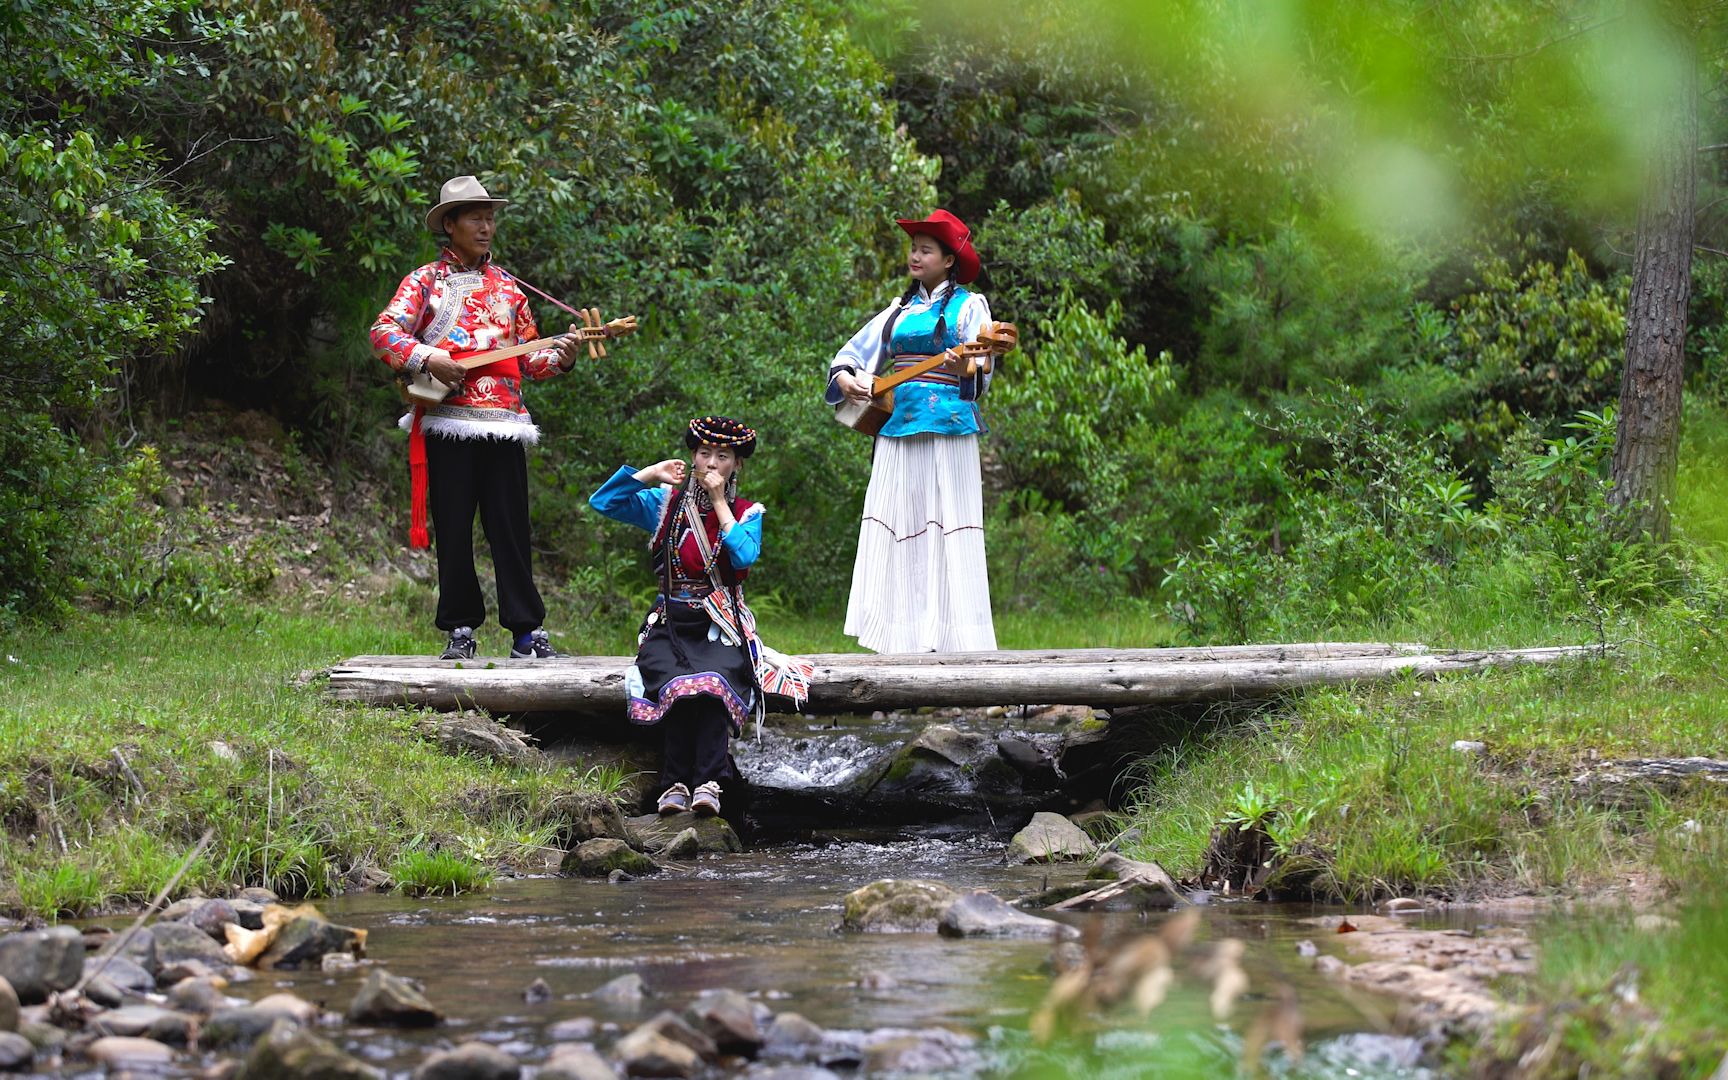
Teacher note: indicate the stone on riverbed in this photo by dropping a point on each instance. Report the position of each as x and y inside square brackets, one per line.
[982, 914]
[624, 990]
[917, 1053]
[124, 974]
[390, 999]
[672, 1026]
[1049, 838]
[16, 1052]
[163, 1025]
[713, 834]
[897, 906]
[140, 948]
[290, 1053]
[686, 845]
[122, 1054]
[306, 938]
[211, 916]
[727, 1017]
[790, 1035]
[602, 855]
[201, 997]
[8, 1006]
[470, 1061]
[177, 942]
[645, 1052]
[39, 962]
[243, 1026]
[576, 1063]
[575, 1029]
[174, 974]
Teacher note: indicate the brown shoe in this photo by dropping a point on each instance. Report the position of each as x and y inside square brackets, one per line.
[675, 799]
[706, 802]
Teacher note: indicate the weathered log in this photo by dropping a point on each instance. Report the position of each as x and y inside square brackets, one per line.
[846, 683]
[1316, 650]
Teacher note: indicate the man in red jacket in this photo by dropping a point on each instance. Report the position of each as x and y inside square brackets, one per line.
[474, 458]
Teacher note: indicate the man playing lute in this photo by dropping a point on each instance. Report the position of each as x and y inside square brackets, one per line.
[467, 450]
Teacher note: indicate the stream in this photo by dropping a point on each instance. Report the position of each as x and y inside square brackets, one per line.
[763, 923]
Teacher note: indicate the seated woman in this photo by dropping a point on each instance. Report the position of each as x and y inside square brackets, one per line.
[700, 668]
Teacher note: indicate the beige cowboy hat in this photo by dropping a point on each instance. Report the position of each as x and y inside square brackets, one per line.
[454, 193]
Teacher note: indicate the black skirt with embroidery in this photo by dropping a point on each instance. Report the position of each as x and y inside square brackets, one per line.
[709, 668]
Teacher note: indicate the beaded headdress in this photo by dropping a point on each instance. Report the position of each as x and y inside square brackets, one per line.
[721, 431]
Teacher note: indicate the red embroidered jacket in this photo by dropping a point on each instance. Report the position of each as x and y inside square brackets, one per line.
[466, 309]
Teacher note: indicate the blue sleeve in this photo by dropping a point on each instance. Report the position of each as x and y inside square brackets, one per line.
[743, 541]
[625, 498]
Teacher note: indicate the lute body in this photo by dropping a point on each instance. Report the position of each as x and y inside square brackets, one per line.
[869, 417]
[423, 389]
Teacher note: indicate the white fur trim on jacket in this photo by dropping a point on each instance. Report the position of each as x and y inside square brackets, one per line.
[524, 431]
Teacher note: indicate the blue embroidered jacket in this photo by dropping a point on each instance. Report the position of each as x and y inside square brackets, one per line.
[934, 403]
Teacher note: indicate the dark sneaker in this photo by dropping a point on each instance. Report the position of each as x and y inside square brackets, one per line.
[675, 800]
[534, 645]
[706, 801]
[461, 645]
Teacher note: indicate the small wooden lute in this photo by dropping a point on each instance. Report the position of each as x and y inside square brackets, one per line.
[423, 389]
[869, 417]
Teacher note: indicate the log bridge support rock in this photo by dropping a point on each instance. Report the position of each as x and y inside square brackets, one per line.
[847, 682]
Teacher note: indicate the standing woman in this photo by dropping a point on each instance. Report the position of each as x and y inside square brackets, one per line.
[700, 668]
[920, 583]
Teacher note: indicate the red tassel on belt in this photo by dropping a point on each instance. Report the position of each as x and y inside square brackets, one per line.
[418, 537]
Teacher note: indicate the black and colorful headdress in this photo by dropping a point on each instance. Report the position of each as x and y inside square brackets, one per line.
[721, 431]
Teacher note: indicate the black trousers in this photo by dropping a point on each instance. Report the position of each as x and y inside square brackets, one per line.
[491, 476]
[698, 734]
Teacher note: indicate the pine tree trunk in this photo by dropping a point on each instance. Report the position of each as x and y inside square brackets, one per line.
[1647, 444]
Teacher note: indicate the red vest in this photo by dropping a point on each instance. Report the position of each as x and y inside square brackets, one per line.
[689, 567]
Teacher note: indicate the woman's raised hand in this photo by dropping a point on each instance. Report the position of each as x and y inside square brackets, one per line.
[671, 471]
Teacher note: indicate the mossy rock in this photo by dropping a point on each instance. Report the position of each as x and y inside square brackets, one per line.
[891, 906]
[713, 834]
[602, 855]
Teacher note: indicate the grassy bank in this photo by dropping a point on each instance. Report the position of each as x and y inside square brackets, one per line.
[1361, 792]
[123, 738]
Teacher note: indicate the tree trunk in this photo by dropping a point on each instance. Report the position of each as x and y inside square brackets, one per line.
[1647, 437]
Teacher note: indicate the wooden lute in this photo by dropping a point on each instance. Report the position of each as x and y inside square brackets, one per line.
[993, 340]
[423, 389]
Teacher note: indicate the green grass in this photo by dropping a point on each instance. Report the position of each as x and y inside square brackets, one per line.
[1613, 999]
[1369, 790]
[303, 796]
[438, 873]
[1368, 776]
[1701, 488]
[1128, 626]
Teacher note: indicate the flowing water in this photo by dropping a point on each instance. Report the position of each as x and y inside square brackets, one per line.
[764, 923]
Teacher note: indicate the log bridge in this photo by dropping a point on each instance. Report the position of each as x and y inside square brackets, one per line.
[853, 682]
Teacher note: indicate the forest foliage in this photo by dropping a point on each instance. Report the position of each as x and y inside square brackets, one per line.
[1312, 310]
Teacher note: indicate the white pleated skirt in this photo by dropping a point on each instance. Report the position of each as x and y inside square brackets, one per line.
[920, 583]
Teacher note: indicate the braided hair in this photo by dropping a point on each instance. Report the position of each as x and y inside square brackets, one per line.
[942, 309]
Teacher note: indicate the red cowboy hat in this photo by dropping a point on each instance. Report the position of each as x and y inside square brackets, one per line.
[953, 234]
